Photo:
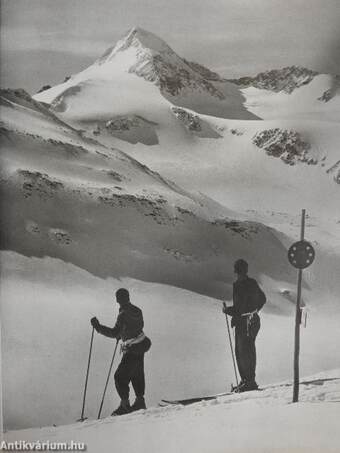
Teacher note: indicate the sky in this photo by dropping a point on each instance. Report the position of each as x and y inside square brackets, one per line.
[43, 41]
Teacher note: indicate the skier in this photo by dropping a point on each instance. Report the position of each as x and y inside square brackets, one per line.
[248, 299]
[128, 328]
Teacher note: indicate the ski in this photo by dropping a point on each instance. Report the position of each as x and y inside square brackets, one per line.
[187, 401]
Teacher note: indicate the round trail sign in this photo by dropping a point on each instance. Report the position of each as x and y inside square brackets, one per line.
[301, 254]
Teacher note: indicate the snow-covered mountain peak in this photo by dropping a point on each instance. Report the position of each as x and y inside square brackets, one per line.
[143, 54]
[138, 37]
[148, 56]
[141, 43]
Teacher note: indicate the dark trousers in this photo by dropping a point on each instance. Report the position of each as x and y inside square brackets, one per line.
[131, 369]
[245, 349]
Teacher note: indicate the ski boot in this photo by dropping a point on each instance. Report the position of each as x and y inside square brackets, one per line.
[138, 404]
[250, 385]
[123, 408]
[238, 388]
[245, 386]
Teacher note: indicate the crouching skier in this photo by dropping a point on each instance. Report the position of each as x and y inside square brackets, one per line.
[128, 328]
[248, 299]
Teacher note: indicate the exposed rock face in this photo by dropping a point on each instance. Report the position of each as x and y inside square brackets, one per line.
[285, 144]
[291, 148]
[205, 72]
[36, 183]
[43, 88]
[286, 79]
[245, 229]
[171, 77]
[59, 236]
[335, 171]
[194, 123]
[332, 91]
[191, 121]
[131, 128]
[125, 123]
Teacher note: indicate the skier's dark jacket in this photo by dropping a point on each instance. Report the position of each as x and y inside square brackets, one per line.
[129, 323]
[247, 297]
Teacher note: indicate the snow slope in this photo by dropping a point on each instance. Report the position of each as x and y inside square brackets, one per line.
[233, 169]
[46, 308]
[69, 197]
[247, 169]
[256, 421]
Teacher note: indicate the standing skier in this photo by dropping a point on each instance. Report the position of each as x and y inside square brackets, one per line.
[248, 299]
[128, 328]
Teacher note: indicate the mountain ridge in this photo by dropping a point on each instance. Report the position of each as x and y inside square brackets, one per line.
[286, 79]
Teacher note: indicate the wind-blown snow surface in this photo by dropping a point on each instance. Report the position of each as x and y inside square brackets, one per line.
[260, 422]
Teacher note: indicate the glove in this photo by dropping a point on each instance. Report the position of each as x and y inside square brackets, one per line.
[95, 323]
[228, 310]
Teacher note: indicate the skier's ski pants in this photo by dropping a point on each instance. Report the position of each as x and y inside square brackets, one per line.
[131, 369]
[245, 349]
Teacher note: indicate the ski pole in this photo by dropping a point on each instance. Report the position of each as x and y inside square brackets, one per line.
[86, 379]
[230, 342]
[107, 380]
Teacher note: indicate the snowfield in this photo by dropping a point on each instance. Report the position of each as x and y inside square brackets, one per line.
[263, 422]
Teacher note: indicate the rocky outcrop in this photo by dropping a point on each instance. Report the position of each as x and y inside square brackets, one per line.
[44, 88]
[204, 71]
[126, 123]
[191, 121]
[131, 128]
[286, 79]
[286, 144]
[172, 77]
[40, 184]
[194, 124]
[244, 229]
[335, 171]
[332, 91]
